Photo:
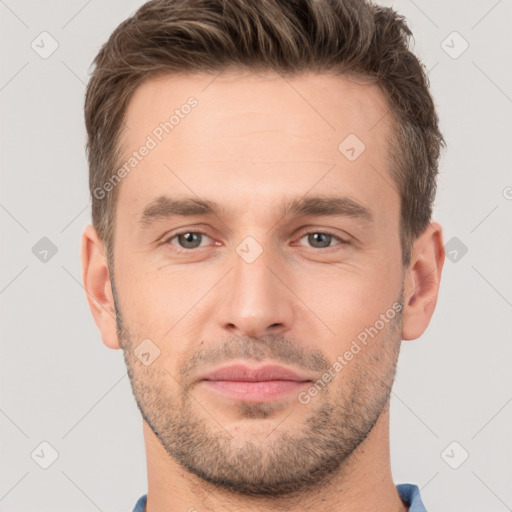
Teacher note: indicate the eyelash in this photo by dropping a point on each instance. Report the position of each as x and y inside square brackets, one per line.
[306, 233]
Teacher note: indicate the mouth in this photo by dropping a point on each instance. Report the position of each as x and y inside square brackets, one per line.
[261, 384]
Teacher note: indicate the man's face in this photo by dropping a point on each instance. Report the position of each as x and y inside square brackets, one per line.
[256, 285]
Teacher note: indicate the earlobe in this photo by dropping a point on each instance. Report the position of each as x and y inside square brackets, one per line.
[422, 281]
[96, 279]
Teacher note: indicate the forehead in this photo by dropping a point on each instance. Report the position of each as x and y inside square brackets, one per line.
[257, 132]
[330, 105]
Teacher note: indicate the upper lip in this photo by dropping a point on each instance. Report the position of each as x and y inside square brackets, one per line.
[242, 373]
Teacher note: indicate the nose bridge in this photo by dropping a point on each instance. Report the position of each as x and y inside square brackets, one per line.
[256, 301]
[251, 273]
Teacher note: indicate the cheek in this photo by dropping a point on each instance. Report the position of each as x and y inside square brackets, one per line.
[160, 302]
[345, 297]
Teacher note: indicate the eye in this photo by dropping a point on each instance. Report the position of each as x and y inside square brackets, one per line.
[193, 239]
[322, 240]
[187, 239]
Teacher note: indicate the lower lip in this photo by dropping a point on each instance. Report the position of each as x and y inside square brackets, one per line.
[263, 391]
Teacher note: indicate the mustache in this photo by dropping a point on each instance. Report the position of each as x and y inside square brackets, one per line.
[276, 348]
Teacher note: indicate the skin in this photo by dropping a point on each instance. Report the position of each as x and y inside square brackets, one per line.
[253, 142]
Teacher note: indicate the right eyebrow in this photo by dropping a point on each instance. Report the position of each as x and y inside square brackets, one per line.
[164, 207]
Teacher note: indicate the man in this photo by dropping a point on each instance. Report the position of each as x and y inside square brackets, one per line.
[262, 177]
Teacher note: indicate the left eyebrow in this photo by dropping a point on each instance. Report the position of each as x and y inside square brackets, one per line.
[329, 206]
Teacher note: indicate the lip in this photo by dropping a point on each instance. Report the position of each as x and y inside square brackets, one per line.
[242, 373]
[261, 384]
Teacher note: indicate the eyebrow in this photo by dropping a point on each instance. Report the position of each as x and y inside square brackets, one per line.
[164, 207]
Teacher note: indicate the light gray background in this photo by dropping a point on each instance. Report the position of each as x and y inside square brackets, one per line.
[59, 383]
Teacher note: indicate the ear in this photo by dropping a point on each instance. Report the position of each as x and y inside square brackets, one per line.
[96, 278]
[422, 280]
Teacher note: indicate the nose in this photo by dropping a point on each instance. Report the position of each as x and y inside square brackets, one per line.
[255, 301]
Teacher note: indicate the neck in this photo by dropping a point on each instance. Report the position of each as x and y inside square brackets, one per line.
[363, 483]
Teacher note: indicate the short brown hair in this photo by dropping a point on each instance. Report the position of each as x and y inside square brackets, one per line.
[354, 37]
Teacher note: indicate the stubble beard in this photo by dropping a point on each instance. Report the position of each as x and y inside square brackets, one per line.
[281, 463]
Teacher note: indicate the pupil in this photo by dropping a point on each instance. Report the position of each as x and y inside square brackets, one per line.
[317, 237]
[188, 239]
